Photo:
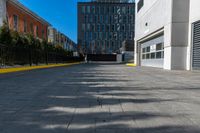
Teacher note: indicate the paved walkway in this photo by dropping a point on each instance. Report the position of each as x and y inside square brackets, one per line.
[100, 98]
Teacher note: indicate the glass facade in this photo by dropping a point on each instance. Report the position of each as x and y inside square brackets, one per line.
[103, 27]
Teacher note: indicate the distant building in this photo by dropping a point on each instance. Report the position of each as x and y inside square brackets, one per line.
[52, 35]
[22, 19]
[168, 34]
[104, 24]
[57, 38]
[71, 45]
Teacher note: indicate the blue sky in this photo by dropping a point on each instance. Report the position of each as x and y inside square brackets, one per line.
[62, 14]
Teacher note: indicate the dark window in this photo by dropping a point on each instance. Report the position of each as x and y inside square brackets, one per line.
[143, 56]
[148, 49]
[147, 56]
[15, 22]
[153, 55]
[37, 31]
[159, 47]
[31, 27]
[140, 5]
[43, 33]
[158, 55]
[25, 25]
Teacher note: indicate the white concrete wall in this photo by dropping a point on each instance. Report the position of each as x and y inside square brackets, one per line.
[157, 13]
[194, 16]
[173, 17]
[2, 11]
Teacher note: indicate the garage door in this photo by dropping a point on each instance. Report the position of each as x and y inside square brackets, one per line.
[152, 52]
[196, 46]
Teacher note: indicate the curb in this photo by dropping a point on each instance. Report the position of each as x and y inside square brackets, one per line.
[19, 69]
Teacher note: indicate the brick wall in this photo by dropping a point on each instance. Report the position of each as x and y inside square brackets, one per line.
[23, 16]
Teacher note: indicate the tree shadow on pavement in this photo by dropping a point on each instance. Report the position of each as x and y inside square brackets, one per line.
[93, 98]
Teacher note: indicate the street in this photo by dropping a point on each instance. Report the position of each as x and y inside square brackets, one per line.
[100, 98]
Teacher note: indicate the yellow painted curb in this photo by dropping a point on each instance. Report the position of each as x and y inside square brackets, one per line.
[18, 69]
[131, 64]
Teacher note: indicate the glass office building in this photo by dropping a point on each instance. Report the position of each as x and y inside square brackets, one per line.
[104, 24]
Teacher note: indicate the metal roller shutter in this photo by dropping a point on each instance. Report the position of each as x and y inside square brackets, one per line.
[196, 45]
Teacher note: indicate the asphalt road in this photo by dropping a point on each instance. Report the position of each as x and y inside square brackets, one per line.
[100, 98]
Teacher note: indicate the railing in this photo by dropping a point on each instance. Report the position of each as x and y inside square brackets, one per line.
[23, 56]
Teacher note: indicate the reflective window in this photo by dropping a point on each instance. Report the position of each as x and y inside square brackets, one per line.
[140, 5]
[83, 9]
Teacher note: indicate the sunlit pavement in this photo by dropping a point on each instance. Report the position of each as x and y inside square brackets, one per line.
[100, 98]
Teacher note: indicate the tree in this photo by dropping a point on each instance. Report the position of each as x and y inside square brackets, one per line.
[5, 36]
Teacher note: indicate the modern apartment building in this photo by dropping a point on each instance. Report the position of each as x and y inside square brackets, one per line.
[22, 19]
[167, 34]
[104, 24]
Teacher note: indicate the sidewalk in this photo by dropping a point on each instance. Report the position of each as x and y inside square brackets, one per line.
[27, 68]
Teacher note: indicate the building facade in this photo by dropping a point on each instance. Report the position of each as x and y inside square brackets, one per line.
[104, 25]
[57, 38]
[21, 19]
[167, 33]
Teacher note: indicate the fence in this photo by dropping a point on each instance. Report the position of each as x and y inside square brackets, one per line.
[101, 57]
[12, 55]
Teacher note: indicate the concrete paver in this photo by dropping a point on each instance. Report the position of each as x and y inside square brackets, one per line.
[100, 98]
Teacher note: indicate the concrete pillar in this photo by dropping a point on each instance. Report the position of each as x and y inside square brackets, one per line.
[2, 11]
[176, 36]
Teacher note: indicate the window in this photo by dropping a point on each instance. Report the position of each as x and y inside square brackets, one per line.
[88, 27]
[148, 49]
[25, 25]
[83, 9]
[93, 9]
[102, 10]
[98, 10]
[83, 27]
[103, 27]
[31, 28]
[15, 22]
[113, 27]
[123, 9]
[158, 55]
[101, 19]
[159, 46]
[144, 56]
[153, 55]
[140, 5]
[147, 56]
[37, 31]
[86, 18]
[91, 19]
[43, 33]
[107, 28]
[122, 27]
[106, 19]
[143, 50]
[88, 9]
[98, 27]
[92, 27]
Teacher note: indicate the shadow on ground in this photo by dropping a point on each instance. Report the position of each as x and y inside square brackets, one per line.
[97, 98]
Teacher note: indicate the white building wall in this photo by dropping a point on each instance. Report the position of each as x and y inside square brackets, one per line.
[172, 16]
[194, 16]
[2, 11]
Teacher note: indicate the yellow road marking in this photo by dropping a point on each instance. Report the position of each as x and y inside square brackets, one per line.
[131, 64]
[17, 69]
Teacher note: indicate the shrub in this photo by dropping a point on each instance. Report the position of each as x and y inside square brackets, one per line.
[5, 37]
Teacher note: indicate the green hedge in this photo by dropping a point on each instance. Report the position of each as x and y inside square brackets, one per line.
[20, 48]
